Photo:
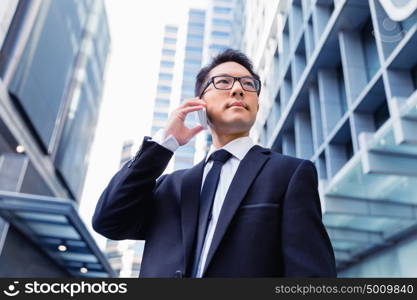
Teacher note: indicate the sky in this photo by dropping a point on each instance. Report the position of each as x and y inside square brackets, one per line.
[136, 29]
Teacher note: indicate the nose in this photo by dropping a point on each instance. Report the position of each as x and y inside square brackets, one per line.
[237, 89]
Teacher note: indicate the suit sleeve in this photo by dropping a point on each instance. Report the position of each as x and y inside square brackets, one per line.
[125, 206]
[307, 251]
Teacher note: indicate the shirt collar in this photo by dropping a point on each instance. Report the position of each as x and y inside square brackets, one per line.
[238, 147]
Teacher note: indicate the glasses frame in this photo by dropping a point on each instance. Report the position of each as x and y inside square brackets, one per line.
[211, 80]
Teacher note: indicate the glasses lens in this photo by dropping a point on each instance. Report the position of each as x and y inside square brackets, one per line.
[223, 82]
[249, 84]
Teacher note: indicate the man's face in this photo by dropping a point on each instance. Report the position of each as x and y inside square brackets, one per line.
[230, 111]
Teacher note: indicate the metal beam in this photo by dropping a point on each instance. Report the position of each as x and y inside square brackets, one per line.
[405, 131]
[363, 207]
[357, 236]
[403, 117]
[389, 163]
[343, 256]
[376, 162]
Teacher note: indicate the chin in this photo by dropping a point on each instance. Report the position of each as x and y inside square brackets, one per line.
[236, 126]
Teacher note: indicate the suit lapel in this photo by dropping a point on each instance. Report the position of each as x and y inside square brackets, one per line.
[248, 168]
[190, 198]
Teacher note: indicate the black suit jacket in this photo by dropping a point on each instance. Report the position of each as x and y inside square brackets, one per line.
[269, 226]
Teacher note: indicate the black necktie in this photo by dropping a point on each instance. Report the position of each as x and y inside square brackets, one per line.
[206, 202]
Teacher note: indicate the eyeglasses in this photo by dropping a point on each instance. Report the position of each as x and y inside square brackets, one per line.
[226, 82]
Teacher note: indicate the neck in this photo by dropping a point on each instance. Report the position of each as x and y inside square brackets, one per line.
[219, 140]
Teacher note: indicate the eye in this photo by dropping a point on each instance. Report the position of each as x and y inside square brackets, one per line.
[223, 80]
[249, 83]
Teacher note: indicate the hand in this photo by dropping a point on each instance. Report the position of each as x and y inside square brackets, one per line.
[175, 125]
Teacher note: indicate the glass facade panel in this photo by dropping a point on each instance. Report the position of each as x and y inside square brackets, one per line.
[71, 159]
[161, 101]
[168, 52]
[221, 22]
[80, 121]
[160, 116]
[220, 34]
[171, 29]
[170, 40]
[222, 10]
[164, 89]
[42, 77]
[167, 64]
[7, 9]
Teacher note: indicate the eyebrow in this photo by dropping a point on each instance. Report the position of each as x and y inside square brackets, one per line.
[225, 74]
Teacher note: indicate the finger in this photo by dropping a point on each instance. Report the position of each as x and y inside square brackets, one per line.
[190, 109]
[192, 102]
[196, 129]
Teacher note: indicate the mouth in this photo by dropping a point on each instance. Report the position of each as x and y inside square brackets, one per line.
[238, 104]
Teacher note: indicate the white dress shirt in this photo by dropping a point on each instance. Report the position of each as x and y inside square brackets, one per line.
[238, 148]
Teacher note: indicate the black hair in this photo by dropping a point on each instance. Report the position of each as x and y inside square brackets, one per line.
[225, 56]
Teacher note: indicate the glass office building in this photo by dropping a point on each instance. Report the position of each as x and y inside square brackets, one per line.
[52, 63]
[219, 27]
[339, 88]
[194, 43]
[224, 29]
[165, 78]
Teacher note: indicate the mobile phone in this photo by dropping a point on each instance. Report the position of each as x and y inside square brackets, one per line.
[202, 117]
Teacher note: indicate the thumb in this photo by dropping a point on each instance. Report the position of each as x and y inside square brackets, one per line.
[196, 129]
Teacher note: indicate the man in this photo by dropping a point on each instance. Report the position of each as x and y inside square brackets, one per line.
[244, 211]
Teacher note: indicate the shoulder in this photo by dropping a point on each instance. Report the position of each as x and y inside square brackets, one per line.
[279, 157]
[285, 162]
[176, 175]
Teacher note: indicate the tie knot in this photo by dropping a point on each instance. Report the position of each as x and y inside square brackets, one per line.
[221, 156]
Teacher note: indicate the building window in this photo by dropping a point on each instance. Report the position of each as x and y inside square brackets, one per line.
[220, 22]
[41, 96]
[165, 76]
[168, 52]
[155, 129]
[189, 76]
[167, 64]
[198, 26]
[192, 63]
[187, 90]
[220, 34]
[160, 116]
[222, 10]
[169, 41]
[164, 89]
[194, 37]
[161, 102]
[171, 29]
[194, 49]
[217, 47]
[196, 14]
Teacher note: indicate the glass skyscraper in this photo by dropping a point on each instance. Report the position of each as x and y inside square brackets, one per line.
[224, 29]
[165, 78]
[221, 18]
[339, 88]
[194, 43]
[52, 65]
